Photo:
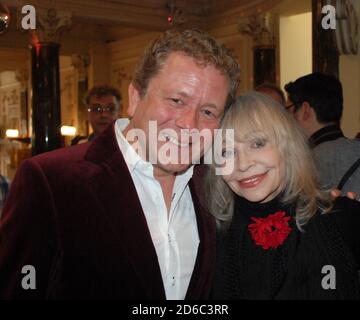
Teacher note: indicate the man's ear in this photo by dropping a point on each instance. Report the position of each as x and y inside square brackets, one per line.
[307, 111]
[134, 99]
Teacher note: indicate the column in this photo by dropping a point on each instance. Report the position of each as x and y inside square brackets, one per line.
[325, 52]
[261, 28]
[46, 120]
[99, 67]
[81, 64]
[348, 40]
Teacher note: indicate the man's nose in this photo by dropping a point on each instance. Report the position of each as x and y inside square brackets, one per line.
[105, 114]
[187, 119]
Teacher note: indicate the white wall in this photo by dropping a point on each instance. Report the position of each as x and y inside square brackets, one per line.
[295, 47]
[350, 78]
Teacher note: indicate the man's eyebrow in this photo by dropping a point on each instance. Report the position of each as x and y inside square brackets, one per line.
[210, 104]
[183, 94]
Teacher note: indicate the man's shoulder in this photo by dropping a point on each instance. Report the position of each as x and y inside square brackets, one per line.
[64, 157]
[337, 150]
[344, 144]
[63, 168]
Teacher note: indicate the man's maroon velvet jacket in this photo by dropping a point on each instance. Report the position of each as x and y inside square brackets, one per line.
[75, 216]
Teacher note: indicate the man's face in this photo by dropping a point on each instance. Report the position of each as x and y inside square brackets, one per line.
[182, 96]
[290, 106]
[100, 118]
[297, 113]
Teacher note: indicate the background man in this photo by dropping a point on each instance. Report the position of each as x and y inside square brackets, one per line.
[273, 91]
[103, 104]
[316, 101]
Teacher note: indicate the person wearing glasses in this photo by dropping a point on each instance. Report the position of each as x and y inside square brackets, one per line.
[316, 102]
[103, 106]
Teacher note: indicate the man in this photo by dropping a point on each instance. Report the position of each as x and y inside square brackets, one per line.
[316, 101]
[273, 91]
[103, 105]
[100, 221]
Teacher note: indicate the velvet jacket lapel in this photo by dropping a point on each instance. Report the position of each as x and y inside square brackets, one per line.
[126, 217]
[124, 212]
[202, 278]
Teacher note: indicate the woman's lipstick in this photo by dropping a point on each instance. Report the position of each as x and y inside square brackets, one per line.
[252, 181]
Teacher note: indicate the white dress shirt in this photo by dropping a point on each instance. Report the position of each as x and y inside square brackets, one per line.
[174, 235]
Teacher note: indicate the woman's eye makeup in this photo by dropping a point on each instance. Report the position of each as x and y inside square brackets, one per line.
[258, 143]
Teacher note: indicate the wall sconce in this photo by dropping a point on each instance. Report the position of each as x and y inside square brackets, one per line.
[68, 131]
[12, 133]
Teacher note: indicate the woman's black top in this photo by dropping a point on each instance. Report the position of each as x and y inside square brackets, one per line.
[302, 267]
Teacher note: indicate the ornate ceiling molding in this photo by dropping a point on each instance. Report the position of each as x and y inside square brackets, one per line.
[260, 27]
[51, 23]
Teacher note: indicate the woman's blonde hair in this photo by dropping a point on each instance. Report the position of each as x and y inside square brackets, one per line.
[255, 112]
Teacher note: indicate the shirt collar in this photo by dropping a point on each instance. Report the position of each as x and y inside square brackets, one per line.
[131, 157]
[328, 133]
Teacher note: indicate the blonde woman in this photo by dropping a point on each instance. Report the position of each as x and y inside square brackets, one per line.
[280, 237]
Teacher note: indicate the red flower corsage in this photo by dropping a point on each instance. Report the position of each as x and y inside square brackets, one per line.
[270, 232]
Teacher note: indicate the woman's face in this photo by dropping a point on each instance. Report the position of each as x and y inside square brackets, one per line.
[258, 173]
